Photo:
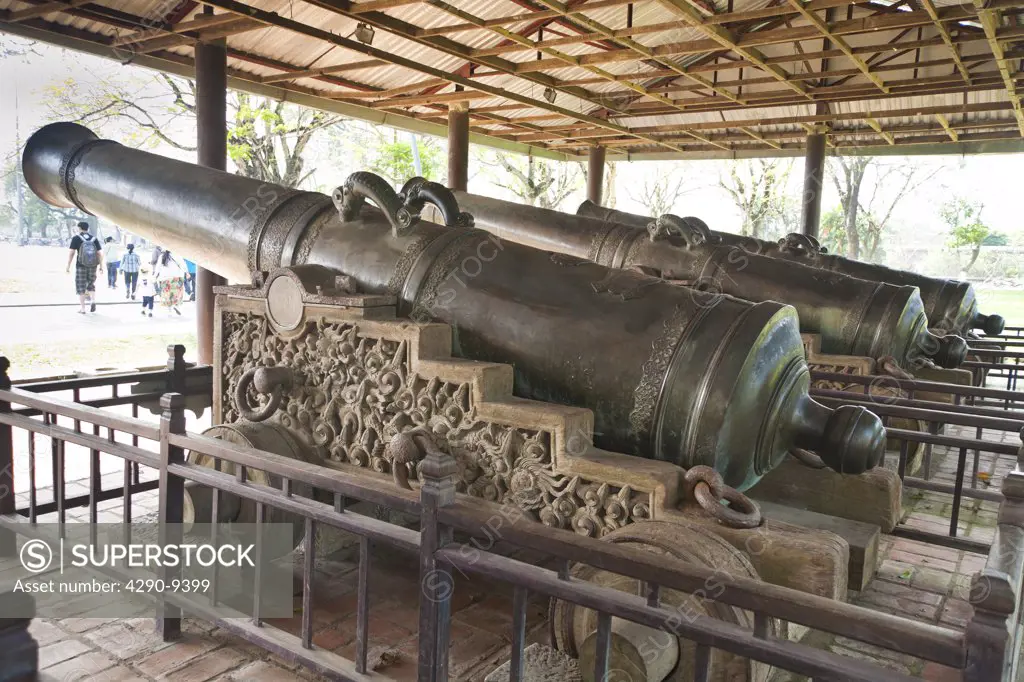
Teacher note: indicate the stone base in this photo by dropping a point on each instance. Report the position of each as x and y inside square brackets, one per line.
[872, 497]
[541, 664]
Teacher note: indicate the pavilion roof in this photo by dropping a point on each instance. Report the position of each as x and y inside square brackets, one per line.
[651, 79]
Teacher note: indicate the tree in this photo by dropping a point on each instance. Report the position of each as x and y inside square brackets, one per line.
[610, 178]
[848, 175]
[758, 188]
[537, 182]
[266, 138]
[869, 192]
[966, 228]
[661, 190]
[394, 158]
[37, 216]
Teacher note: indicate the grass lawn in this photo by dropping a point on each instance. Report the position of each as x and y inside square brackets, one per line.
[29, 360]
[1006, 302]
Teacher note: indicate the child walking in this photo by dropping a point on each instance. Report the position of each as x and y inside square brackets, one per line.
[148, 291]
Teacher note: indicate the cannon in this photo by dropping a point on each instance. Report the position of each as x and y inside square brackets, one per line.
[853, 316]
[668, 375]
[951, 305]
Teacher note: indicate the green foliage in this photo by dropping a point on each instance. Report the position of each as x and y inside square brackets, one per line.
[832, 230]
[38, 219]
[963, 218]
[758, 188]
[393, 158]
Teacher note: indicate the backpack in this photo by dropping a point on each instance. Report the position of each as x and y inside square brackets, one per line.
[89, 252]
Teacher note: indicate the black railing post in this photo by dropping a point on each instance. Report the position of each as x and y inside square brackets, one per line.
[8, 541]
[438, 471]
[172, 502]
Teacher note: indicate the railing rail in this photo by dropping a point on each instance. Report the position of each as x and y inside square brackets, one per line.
[442, 512]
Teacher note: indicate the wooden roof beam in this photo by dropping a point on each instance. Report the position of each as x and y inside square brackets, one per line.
[417, 100]
[406, 30]
[877, 127]
[929, 7]
[575, 61]
[944, 122]
[723, 37]
[236, 26]
[202, 22]
[823, 28]
[990, 23]
[44, 9]
[513, 19]
[751, 133]
[276, 20]
[325, 71]
[377, 5]
[640, 49]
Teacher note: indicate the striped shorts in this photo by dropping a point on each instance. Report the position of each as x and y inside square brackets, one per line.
[85, 279]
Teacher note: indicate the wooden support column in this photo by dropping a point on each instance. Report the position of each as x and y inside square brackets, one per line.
[211, 122]
[814, 167]
[458, 145]
[595, 174]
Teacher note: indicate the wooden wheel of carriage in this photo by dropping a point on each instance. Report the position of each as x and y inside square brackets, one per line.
[642, 654]
[230, 508]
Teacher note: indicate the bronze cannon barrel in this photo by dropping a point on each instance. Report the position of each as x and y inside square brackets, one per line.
[951, 305]
[671, 376]
[853, 316]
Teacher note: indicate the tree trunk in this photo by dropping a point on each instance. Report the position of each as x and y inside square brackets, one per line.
[609, 184]
[975, 252]
[853, 204]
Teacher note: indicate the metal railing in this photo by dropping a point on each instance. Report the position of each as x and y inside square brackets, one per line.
[937, 417]
[979, 652]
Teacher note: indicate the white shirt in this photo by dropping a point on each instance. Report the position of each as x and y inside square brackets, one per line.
[111, 252]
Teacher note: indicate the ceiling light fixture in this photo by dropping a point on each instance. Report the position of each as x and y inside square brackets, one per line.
[364, 33]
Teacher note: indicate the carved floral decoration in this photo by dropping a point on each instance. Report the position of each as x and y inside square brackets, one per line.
[353, 393]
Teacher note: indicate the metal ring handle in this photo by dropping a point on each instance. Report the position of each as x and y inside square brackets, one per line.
[739, 512]
[266, 380]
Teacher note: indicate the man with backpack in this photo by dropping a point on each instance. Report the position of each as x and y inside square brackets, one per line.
[88, 255]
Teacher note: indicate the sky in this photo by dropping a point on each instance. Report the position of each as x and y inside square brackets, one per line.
[994, 180]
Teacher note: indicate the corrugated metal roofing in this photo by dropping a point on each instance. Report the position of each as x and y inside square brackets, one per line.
[638, 77]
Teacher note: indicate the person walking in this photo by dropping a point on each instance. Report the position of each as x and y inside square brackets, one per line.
[148, 292]
[112, 257]
[190, 279]
[169, 278]
[130, 265]
[85, 250]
